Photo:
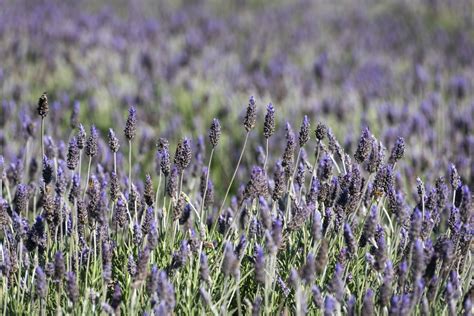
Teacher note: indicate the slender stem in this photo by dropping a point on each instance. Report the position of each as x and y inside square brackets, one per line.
[130, 166]
[80, 165]
[26, 163]
[266, 155]
[87, 178]
[115, 163]
[157, 195]
[290, 188]
[180, 184]
[42, 136]
[207, 181]
[235, 172]
[335, 164]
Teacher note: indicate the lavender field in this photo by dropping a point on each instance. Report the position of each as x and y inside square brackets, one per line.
[242, 157]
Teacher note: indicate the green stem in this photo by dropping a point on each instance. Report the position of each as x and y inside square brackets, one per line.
[206, 186]
[130, 166]
[233, 176]
[266, 155]
[87, 178]
[42, 136]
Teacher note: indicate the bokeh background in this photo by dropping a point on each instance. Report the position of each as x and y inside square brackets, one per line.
[403, 68]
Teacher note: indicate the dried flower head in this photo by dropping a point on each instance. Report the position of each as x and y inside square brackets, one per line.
[43, 107]
[215, 132]
[183, 155]
[131, 124]
[251, 115]
[164, 156]
[289, 153]
[364, 146]
[114, 144]
[321, 131]
[72, 154]
[454, 177]
[92, 142]
[397, 151]
[258, 184]
[269, 124]
[47, 170]
[81, 137]
[21, 198]
[304, 132]
[148, 192]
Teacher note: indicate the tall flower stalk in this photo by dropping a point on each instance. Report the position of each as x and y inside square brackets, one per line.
[130, 132]
[249, 123]
[43, 109]
[214, 136]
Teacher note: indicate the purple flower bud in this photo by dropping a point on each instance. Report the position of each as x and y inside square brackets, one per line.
[152, 281]
[60, 181]
[258, 184]
[329, 306]
[349, 240]
[251, 115]
[418, 264]
[116, 297]
[364, 146]
[385, 290]
[304, 132]
[397, 151]
[308, 269]
[280, 182]
[269, 124]
[131, 266]
[21, 198]
[81, 137]
[71, 288]
[59, 267]
[72, 154]
[455, 178]
[114, 144]
[91, 144]
[259, 265]
[172, 185]
[289, 153]
[131, 124]
[230, 264]
[336, 285]
[183, 154]
[41, 285]
[256, 306]
[322, 256]
[368, 303]
[325, 167]
[215, 132]
[204, 268]
[148, 192]
[142, 266]
[317, 297]
[181, 256]
[369, 227]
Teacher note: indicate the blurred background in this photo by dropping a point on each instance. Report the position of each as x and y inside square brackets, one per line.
[403, 68]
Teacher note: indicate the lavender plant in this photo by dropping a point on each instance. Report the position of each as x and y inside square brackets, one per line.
[367, 212]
